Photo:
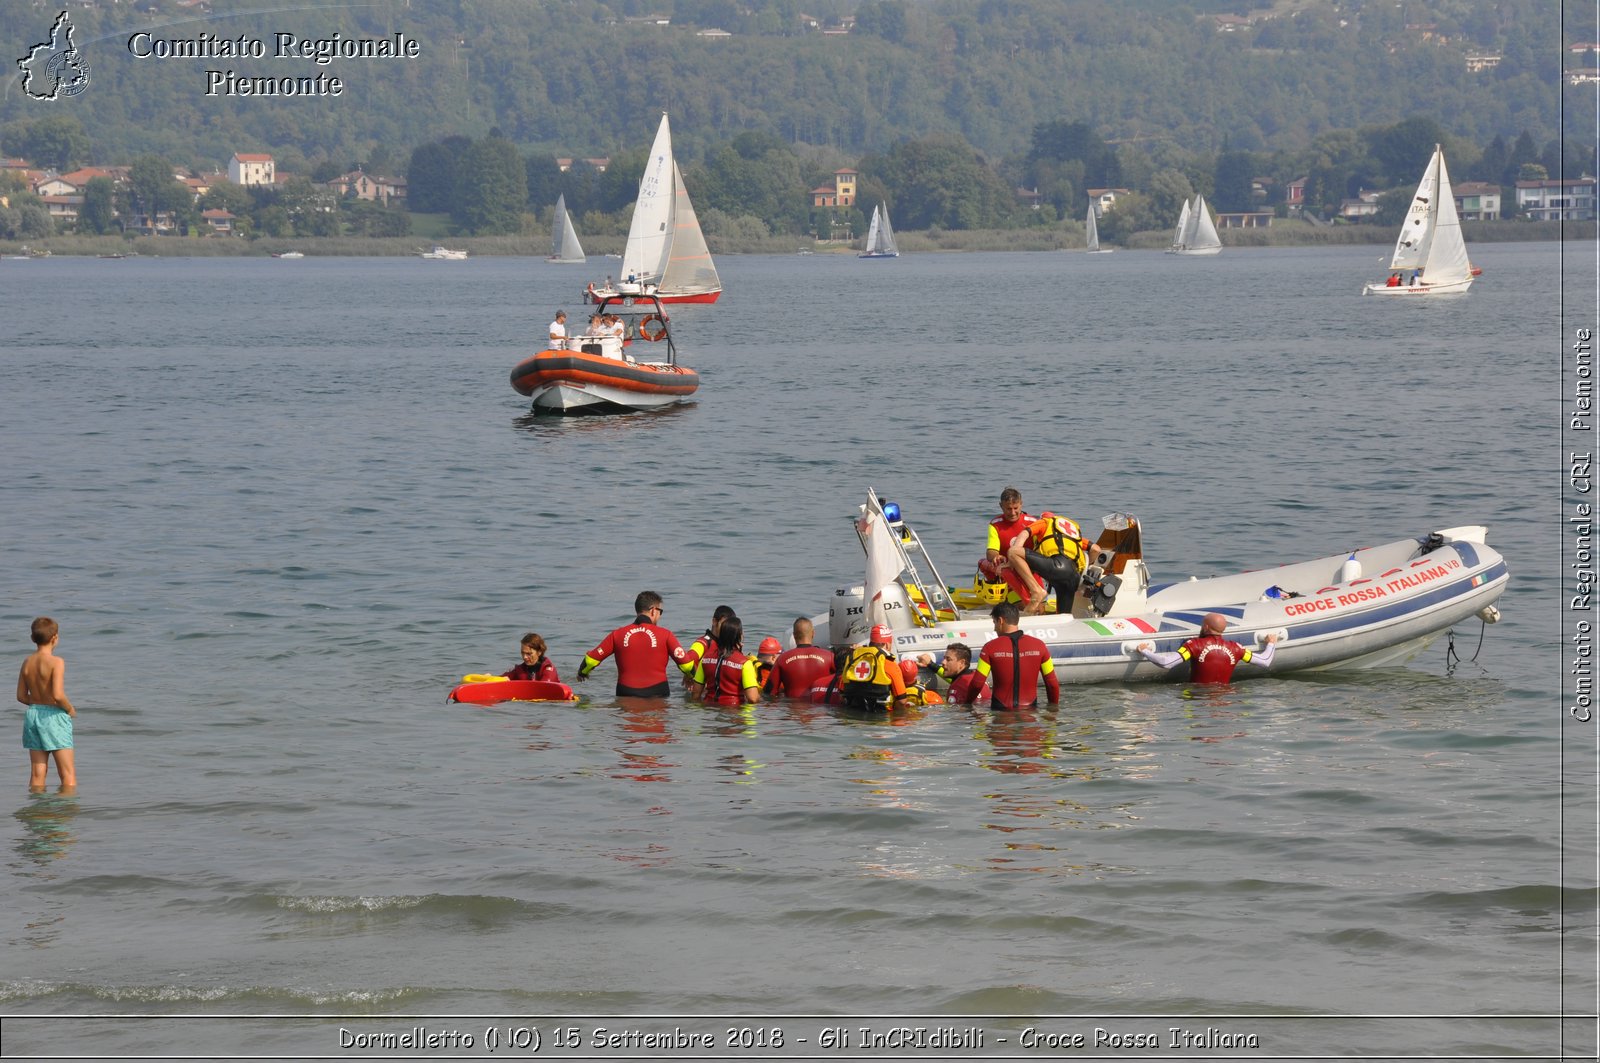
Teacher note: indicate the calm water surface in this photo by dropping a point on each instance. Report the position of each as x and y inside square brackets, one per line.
[279, 507]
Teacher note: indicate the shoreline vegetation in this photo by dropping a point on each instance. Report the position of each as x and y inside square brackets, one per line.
[1282, 234]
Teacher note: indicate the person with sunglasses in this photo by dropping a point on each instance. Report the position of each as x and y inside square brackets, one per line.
[642, 650]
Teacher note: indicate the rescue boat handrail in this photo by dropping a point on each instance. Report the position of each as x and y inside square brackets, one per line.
[936, 595]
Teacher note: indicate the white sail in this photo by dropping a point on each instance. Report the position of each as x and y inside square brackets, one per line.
[564, 245]
[1091, 230]
[1205, 230]
[644, 258]
[1180, 233]
[880, 236]
[1430, 237]
[872, 232]
[689, 269]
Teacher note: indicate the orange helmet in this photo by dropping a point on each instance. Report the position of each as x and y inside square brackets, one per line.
[881, 635]
[908, 669]
[770, 645]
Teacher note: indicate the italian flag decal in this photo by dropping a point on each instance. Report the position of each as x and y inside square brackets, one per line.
[1131, 625]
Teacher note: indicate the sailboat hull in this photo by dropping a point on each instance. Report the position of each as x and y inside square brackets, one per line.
[1452, 288]
[879, 254]
[596, 295]
[1194, 252]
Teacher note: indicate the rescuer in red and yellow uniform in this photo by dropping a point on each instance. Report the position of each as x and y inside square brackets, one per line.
[1053, 548]
[1012, 664]
[642, 649]
[725, 676]
[1007, 526]
[1211, 657]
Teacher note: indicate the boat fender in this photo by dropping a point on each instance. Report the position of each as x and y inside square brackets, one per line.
[1489, 615]
[652, 335]
[476, 678]
[1349, 570]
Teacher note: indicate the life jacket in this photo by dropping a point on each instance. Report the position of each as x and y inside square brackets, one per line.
[870, 674]
[1058, 535]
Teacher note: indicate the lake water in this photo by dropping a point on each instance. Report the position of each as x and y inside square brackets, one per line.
[280, 507]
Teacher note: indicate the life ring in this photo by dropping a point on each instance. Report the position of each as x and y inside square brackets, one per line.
[660, 332]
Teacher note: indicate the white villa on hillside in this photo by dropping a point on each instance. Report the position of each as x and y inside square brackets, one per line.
[246, 170]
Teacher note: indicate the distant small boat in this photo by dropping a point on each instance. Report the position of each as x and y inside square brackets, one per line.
[113, 255]
[287, 254]
[597, 374]
[1196, 233]
[443, 253]
[564, 245]
[880, 237]
[1093, 235]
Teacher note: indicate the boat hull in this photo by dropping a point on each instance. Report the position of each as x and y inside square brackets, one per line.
[1452, 288]
[578, 382]
[879, 254]
[1378, 621]
[1194, 252]
[597, 295]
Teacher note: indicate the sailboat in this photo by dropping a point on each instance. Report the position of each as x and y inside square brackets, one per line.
[1196, 233]
[564, 246]
[880, 236]
[1092, 235]
[1430, 243]
[666, 255]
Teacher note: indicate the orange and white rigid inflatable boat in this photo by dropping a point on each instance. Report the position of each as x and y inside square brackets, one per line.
[600, 373]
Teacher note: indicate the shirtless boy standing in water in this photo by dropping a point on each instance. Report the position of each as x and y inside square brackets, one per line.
[47, 726]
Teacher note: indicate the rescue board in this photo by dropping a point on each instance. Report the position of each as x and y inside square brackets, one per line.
[499, 690]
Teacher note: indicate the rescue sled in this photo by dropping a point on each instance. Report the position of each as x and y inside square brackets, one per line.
[493, 689]
[1372, 607]
[605, 373]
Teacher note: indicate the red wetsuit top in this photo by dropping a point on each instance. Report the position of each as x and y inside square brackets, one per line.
[827, 690]
[643, 650]
[965, 688]
[796, 670]
[725, 678]
[1212, 659]
[544, 671]
[1001, 532]
[1013, 664]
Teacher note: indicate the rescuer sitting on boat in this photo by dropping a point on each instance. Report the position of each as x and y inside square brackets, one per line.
[995, 566]
[1211, 657]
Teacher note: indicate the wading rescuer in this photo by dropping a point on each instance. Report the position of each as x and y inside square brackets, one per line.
[1211, 657]
[872, 680]
[1012, 664]
[642, 649]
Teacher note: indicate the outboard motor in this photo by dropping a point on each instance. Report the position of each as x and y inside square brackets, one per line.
[847, 616]
[1100, 589]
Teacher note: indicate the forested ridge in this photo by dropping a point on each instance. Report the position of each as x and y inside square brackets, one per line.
[1033, 92]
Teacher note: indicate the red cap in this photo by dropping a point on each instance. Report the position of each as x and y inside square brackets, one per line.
[908, 669]
[881, 635]
[770, 645]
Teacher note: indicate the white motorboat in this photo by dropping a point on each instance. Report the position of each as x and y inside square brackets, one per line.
[443, 253]
[1430, 244]
[1366, 608]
